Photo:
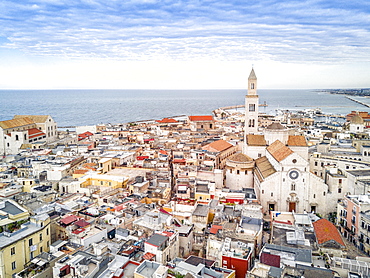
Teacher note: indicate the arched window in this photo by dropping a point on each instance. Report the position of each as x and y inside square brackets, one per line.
[17, 138]
[252, 86]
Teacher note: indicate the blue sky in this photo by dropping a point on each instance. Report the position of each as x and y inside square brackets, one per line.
[184, 44]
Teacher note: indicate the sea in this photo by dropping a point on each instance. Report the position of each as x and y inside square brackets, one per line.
[90, 107]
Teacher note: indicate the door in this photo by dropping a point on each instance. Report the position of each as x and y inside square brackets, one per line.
[292, 206]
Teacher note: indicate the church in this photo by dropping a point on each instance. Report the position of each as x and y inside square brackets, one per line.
[278, 159]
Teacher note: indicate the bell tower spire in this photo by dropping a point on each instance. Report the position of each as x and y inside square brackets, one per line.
[252, 83]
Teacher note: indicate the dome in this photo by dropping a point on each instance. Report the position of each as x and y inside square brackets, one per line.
[356, 119]
[240, 158]
[275, 125]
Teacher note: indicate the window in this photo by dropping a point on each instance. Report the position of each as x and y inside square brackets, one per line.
[323, 193]
[231, 171]
[47, 231]
[263, 191]
[294, 161]
[315, 163]
[40, 237]
[12, 251]
[252, 86]
[340, 181]
[237, 172]
[16, 138]
[30, 242]
[314, 196]
[272, 194]
[246, 172]
[293, 187]
[14, 265]
[339, 190]
[41, 249]
[252, 107]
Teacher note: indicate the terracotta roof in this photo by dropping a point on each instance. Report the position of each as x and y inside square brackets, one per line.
[69, 219]
[297, 140]
[163, 152]
[16, 123]
[34, 132]
[264, 168]
[148, 256]
[82, 223]
[80, 171]
[35, 118]
[167, 120]
[214, 229]
[326, 231]
[217, 146]
[91, 165]
[256, 140]
[179, 160]
[87, 133]
[279, 151]
[84, 135]
[240, 157]
[363, 115]
[200, 118]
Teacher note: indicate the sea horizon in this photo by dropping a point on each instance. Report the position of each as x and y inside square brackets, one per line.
[76, 107]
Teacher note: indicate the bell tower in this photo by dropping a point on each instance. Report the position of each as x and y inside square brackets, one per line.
[251, 107]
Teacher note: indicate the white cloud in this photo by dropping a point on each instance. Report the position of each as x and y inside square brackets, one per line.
[309, 33]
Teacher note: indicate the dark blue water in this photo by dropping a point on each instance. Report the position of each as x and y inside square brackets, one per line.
[88, 107]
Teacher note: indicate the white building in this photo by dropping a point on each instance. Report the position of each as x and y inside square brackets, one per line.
[25, 131]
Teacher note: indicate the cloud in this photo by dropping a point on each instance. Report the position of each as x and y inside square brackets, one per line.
[301, 31]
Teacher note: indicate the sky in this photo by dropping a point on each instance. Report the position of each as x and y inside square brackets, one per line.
[190, 44]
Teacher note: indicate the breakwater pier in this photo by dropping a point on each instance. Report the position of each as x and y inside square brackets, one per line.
[359, 102]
